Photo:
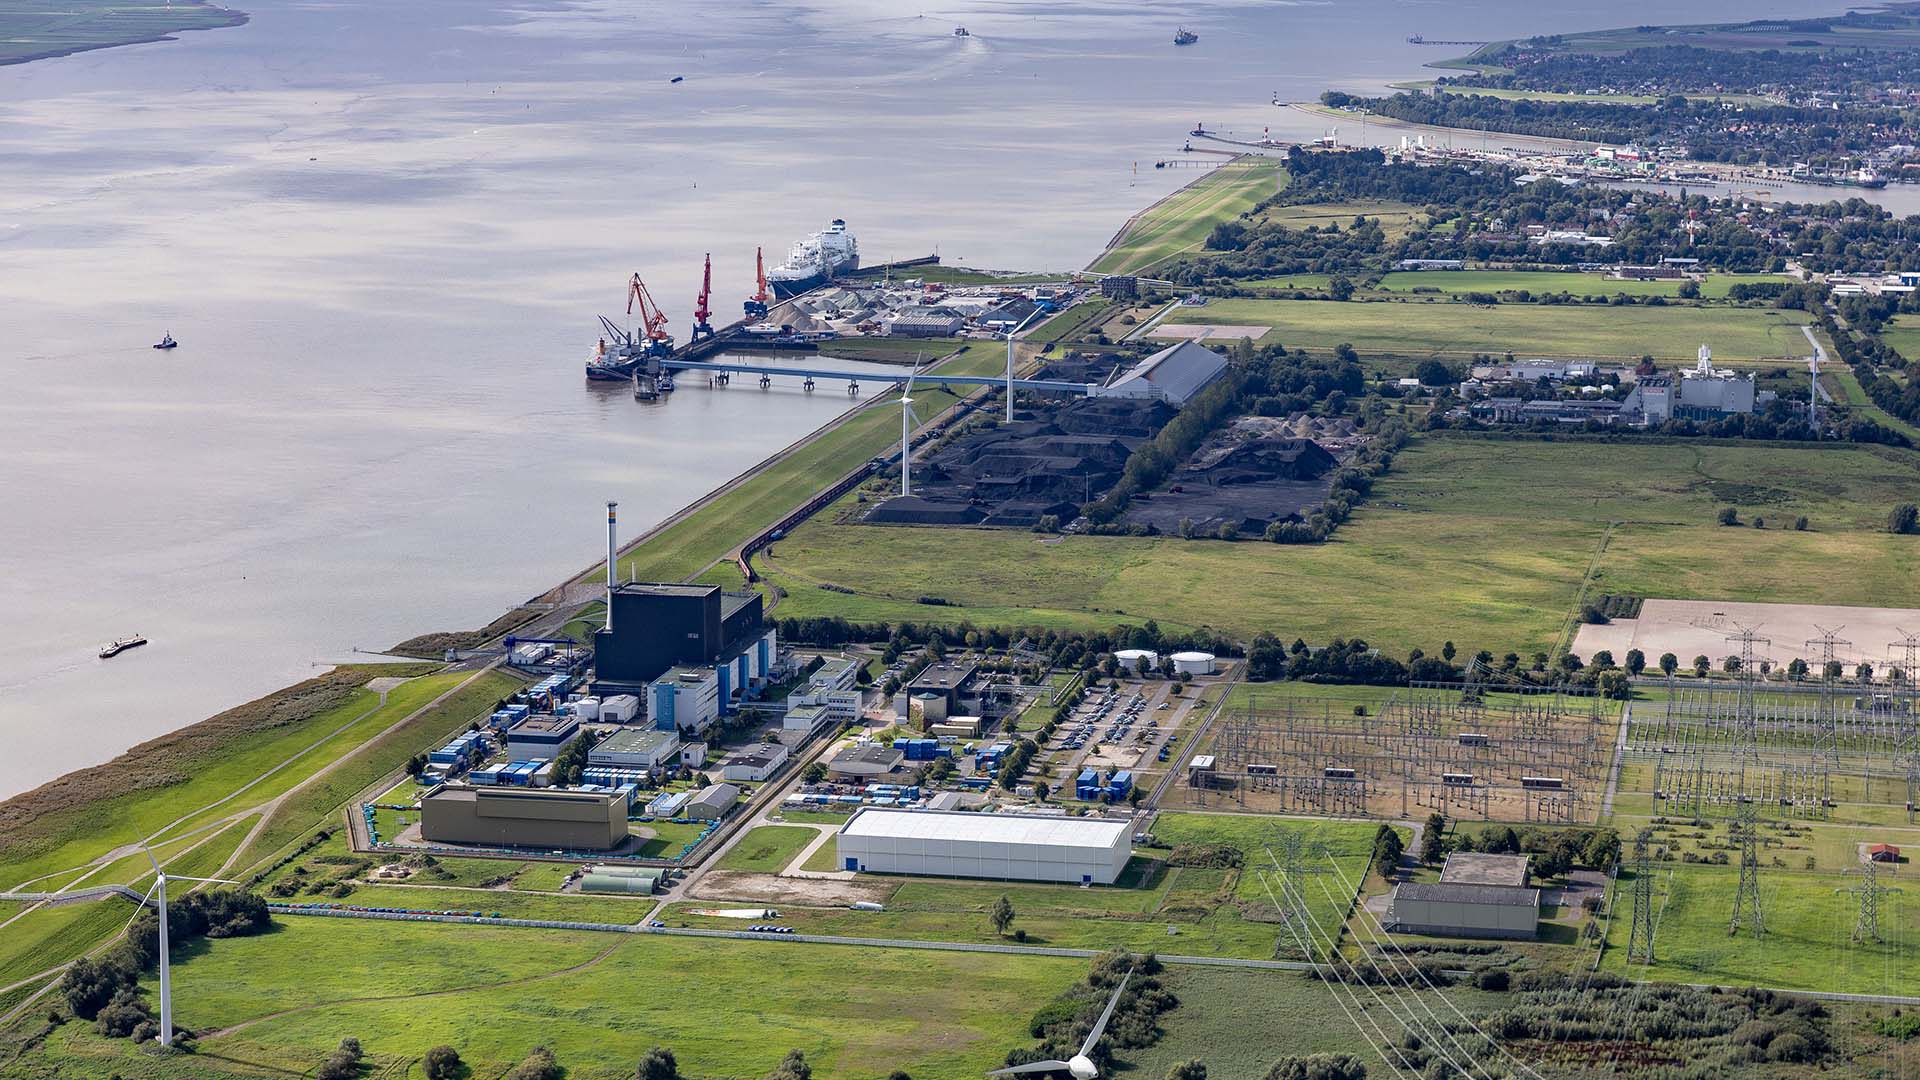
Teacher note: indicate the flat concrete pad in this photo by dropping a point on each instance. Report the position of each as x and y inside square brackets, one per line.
[1204, 331]
[1690, 628]
[384, 683]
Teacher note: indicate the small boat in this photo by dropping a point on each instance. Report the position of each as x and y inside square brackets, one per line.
[1184, 36]
[166, 342]
[663, 383]
[961, 31]
[115, 648]
[678, 78]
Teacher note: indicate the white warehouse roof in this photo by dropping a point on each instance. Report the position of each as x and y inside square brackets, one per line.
[1097, 833]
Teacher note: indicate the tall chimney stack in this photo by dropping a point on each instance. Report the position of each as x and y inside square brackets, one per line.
[611, 547]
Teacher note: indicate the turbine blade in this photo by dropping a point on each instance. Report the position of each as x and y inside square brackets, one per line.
[1033, 1067]
[148, 852]
[1100, 1028]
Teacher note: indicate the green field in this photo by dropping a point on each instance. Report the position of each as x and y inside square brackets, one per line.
[1486, 542]
[767, 849]
[1180, 222]
[1854, 396]
[1396, 219]
[1419, 329]
[1807, 944]
[601, 1000]
[1902, 335]
[1715, 287]
[32, 29]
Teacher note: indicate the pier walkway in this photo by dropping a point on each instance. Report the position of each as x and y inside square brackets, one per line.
[732, 367]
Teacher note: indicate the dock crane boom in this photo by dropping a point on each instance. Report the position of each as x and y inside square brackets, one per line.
[653, 321]
[701, 327]
[756, 305]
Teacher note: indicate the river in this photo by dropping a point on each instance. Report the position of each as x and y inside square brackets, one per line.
[381, 233]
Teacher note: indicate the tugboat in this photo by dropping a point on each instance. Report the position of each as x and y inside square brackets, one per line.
[1184, 36]
[115, 648]
[166, 342]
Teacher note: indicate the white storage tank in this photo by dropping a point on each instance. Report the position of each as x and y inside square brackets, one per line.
[586, 708]
[1193, 663]
[1130, 657]
[619, 708]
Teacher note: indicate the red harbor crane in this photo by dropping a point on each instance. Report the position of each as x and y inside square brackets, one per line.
[756, 305]
[653, 321]
[701, 327]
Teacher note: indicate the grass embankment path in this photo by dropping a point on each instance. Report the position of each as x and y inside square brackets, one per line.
[1180, 222]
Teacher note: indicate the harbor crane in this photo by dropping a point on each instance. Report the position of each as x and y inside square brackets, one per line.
[653, 321]
[756, 305]
[701, 327]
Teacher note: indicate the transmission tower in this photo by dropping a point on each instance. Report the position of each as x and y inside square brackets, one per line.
[1866, 925]
[1290, 862]
[1746, 751]
[1746, 902]
[1907, 715]
[1827, 731]
[1640, 941]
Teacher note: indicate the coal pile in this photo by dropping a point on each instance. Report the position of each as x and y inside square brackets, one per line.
[1050, 462]
[1256, 472]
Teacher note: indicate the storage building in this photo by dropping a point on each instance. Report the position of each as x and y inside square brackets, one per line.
[1008, 847]
[755, 763]
[524, 817]
[638, 748]
[1174, 374]
[1478, 895]
[541, 736]
[712, 803]
[865, 762]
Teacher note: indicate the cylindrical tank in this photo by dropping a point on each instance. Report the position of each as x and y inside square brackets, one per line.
[607, 883]
[1129, 657]
[1193, 663]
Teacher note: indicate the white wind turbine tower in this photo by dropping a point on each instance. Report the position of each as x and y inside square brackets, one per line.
[1081, 1067]
[159, 889]
[907, 420]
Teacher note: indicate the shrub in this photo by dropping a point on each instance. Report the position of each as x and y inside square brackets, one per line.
[1492, 979]
[1903, 519]
[443, 1063]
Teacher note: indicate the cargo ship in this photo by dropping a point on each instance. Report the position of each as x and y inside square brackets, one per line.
[814, 260]
[115, 648]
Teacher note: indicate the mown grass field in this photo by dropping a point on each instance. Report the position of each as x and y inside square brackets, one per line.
[30, 29]
[1449, 329]
[1807, 945]
[1485, 542]
[1180, 222]
[1184, 910]
[1902, 335]
[1396, 218]
[1855, 396]
[767, 849]
[1715, 287]
[297, 748]
[601, 1000]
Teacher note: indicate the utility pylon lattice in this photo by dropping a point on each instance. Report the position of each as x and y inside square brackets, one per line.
[1640, 941]
[1906, 751]
[1827, 729]
[1290, 862]
[1746, 752]
[1866, 925]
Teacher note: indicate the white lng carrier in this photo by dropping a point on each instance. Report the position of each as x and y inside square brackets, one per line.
[815, 259]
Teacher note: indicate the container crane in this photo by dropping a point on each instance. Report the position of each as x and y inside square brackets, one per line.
[701, 327]
[653, 321]
[756, 305]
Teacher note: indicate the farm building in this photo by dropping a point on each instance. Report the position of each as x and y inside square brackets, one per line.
[1009, 847]
[523, 817]
[1478, 895]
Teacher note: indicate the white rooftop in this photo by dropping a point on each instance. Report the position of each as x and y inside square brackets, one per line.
[1098, 833]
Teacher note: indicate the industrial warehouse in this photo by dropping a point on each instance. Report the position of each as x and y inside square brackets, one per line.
[1007, 847]
[524, 817]
[1478, 895]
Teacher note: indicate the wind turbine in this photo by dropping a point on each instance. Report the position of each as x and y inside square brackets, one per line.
[1081, 1067]
[907, 420]
[159, 888]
